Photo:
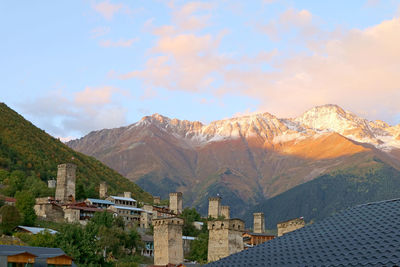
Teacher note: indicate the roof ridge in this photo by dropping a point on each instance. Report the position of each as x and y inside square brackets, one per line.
[377, 202]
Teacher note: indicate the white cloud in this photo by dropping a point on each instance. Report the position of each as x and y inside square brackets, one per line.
[64, 114]
[100, 31]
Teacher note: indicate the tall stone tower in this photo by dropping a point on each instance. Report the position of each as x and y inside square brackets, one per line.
[225, 211]
[214, 207]
[66, 177]
[175, 202]
[259, 223]
[103, 190]
[225, 238]
[168, 244]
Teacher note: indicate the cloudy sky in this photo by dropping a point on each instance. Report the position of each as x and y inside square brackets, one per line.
[76, 66]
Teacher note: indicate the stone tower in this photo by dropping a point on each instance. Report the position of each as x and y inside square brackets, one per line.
[225, 211]
[259, 223]
[289, 226]
[225, 238]
[156, 200]
[175, 202]
[52, 183]
[66, 182]
[168, 244]
[103, 190]
[214, 207]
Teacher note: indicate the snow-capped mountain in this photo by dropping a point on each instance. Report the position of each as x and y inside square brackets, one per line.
[316, 121]
[247, 159]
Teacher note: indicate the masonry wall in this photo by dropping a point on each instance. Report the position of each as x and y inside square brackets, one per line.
[168, 244]
[66, 178]
[259, 223]
[214, 207]
[49, 211]
[175, 202]
[289, 226]
[225, 238]
[103, 190]
[71, 215]
[225, 211]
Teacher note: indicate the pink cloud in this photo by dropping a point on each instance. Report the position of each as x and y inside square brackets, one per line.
[96, 96]
[107, 9]
[291, 18]
[119, 43]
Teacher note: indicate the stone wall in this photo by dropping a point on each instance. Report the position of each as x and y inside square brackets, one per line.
[71, 215]
[168, 245]
[289, 226]
[225, 211]
[225, 238]
[259, 223]
[156, 200]
[103, 190]
[49, 211]
[51, 183]
[66, 177]
[175, 202]
[214, 207]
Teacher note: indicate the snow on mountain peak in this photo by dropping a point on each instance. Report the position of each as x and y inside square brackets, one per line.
[317, 120]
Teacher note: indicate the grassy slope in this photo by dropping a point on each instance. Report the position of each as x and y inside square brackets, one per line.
[332, 192]
[28, 148]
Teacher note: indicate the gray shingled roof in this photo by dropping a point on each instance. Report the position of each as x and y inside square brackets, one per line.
[40, 252]
[365, 235]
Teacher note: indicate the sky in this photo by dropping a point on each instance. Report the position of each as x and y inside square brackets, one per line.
[71, 67]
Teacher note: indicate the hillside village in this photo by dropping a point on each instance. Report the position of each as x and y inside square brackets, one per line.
[166, 245]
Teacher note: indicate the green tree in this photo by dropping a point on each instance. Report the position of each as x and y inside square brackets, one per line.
[190, 216]
[25, 203]
[10, 218]
[199, 248]
[15, 182]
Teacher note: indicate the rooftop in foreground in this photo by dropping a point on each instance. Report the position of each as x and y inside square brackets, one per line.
[365, 235]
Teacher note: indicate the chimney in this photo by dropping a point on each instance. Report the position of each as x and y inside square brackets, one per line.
[259, 223]
[128, 194]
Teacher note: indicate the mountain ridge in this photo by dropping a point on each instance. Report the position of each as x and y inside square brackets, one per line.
[249, 158]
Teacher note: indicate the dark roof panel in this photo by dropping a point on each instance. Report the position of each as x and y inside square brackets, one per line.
[365, 235]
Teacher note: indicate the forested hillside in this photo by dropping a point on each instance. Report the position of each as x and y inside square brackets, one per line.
[331, 193]
[29, 157]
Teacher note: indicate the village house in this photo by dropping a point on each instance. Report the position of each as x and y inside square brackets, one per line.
[99, 203]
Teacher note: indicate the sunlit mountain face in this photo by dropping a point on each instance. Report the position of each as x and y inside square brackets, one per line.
[246, 159]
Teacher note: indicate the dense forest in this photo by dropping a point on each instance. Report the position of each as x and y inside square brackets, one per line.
[330, 193]
[29, 158]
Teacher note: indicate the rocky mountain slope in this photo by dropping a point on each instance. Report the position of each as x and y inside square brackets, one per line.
[246, 159]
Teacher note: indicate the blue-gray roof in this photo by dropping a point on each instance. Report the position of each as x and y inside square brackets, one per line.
[128, 208]
[365, 235]
[36, 230]
[123, 198]
[100, 201]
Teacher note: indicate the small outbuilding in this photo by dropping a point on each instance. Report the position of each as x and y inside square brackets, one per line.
[13, 256]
